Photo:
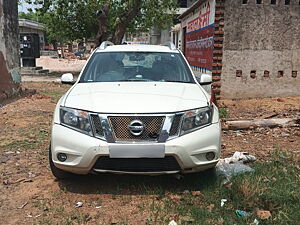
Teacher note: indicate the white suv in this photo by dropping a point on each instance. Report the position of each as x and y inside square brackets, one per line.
[135, 109]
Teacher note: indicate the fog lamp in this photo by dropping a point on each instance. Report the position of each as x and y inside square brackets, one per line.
[210, 156]
[62, 157]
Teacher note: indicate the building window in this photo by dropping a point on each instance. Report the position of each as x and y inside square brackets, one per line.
[287, 2]
[253, 74]
[244, 1]
[258, 1]
[239, 73]
[294, 74]
[273, 2]
[266, 73]
[280, 73]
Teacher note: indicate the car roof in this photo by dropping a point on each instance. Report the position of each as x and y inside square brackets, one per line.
[137, 48]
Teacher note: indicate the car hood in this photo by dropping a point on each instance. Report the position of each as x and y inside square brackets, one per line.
[135, 97]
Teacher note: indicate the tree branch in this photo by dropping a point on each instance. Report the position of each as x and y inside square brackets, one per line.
[125, 19]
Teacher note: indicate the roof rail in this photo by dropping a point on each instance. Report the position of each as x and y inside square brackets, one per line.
[170, 45]
[104, 44]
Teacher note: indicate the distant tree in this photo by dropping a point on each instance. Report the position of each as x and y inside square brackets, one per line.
[29, 16]
[103, 19]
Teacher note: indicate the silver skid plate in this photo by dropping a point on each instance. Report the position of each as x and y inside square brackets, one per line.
[137, 151]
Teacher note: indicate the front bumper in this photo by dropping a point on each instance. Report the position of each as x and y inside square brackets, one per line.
[83, 151]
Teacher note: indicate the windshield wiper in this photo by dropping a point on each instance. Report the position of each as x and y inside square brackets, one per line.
[132, 80]
[178, 81]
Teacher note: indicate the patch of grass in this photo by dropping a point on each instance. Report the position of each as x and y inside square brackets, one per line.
[78, 217]
[274, 186]
[33, 139]
[45, 222]
[54, 94]
[24, 144]
[223, 113]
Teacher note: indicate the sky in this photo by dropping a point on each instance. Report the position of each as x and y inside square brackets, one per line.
[23, 7]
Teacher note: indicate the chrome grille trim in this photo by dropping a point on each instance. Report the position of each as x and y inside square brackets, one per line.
[153, 126]
[164, 134]
[176, 125]
[107, 129]
[96, 125]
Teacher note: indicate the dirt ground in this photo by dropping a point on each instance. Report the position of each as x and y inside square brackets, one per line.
[69, 65]
[29, 194]
[261, 141]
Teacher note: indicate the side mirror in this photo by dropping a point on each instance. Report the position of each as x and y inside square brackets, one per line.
[205, 79]
[67, 78]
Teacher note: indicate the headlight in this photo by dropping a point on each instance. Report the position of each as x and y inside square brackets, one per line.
[195, 119]
[76, 119]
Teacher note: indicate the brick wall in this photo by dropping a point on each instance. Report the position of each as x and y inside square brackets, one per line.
[261, 49]
[218, 48]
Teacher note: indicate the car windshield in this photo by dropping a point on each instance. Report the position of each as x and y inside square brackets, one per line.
[137, 66]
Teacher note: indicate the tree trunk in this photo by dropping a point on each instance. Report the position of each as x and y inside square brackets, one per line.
[62, 50]
[102, 34]
[119, 34]
[125, 18]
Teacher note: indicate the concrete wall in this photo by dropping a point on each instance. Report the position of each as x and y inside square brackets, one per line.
[9, 50]
[158, 37]
[263, 39]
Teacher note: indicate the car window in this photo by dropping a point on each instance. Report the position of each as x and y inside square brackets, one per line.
[137, 66]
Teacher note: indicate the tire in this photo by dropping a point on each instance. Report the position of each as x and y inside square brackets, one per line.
[58, 173]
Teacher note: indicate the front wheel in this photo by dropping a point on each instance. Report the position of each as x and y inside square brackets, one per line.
[58, 173]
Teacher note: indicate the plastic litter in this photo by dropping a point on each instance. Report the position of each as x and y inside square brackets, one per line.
[238, 133]
[172, 223]
[239, 156]
[255, 222]
[98, 207]
[79, 204]
[31, 216]
[234, 165]
[31, 175]
[223, 202]
[242, 214]
[228, 170]
[9, 152]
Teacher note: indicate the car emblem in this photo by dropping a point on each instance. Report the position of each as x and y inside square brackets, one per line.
[136, 127]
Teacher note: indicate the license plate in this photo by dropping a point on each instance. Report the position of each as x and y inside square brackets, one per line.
[136, 151]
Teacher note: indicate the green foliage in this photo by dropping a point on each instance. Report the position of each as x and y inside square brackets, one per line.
[30, 16]
[274, 186]
[223, 113]
[69, 20]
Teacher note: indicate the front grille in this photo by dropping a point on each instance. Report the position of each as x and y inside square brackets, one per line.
[152, 124]
[175, 125]
[98, 130]
[169, 163]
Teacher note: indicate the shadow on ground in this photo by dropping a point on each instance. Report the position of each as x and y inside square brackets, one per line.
[138, 184]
